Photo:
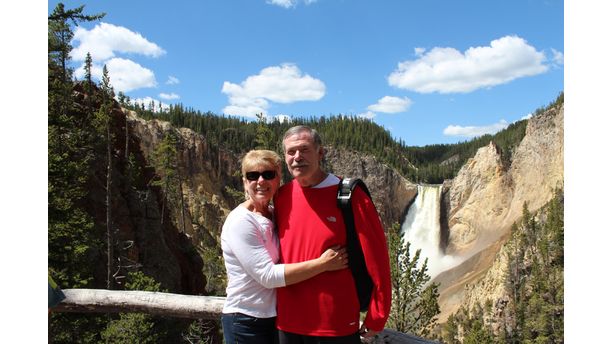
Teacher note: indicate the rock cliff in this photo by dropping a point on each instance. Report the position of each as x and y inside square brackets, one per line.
[142, 240]
[486, 198]
[205, 174]
[209, 188]
[392, 193]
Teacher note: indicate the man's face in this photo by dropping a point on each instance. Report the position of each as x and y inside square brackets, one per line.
[302, 156]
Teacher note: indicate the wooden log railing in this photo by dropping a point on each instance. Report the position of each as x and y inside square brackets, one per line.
[149, 302]
[175, 305]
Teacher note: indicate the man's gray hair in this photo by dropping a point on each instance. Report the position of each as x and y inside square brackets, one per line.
[303, 128]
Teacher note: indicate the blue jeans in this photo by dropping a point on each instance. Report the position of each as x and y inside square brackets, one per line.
[294, 338]
[240, 328]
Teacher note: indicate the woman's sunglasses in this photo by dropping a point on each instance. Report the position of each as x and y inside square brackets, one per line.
[254, 175]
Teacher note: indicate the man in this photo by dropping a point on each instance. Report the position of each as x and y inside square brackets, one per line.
[325, 309]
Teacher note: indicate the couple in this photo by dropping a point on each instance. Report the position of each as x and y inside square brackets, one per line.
[302, 288]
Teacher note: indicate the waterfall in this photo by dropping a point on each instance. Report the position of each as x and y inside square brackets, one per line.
[422, 229]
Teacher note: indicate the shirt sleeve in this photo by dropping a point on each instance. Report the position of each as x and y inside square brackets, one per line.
[374, 245]
[247, 242]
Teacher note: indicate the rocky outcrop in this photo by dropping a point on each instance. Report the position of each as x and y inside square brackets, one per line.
[487, 196]
[478, 199]
[392, 193]
[206, 175]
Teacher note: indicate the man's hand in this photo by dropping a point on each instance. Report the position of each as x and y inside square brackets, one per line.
[367, 333]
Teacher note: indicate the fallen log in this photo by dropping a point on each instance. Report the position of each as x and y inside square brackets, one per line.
[177, 305]
[149, 302]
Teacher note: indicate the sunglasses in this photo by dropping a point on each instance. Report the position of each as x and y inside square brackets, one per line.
[254, 175]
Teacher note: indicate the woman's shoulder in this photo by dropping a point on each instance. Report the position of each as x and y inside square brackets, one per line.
[242, 214]
[239, 213]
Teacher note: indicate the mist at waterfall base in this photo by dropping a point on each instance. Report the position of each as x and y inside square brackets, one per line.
[422, 229]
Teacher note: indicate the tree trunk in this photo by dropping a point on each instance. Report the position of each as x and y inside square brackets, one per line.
[154, 303]
[164, 197]
[127, 140]
[180, 183]
[109, 224]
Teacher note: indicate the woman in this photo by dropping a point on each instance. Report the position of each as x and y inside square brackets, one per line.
[250, 249]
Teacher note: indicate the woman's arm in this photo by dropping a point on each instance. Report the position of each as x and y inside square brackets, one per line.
[334, 258]
[243, 238]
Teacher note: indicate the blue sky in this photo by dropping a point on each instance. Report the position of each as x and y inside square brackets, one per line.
[428, 71]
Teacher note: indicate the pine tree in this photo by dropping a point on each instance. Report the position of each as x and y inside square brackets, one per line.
[414, 306]
[478, 333]
[104, 118]
[60, 35]
[70, 156]
[450, 333]
[264, 138]
[135, 327]
[87, 67]
[73, 245]
[165, 161]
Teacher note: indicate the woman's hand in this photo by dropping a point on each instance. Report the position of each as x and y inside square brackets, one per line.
[334, 258]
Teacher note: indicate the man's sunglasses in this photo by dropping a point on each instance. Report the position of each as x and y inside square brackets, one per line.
[254, 175]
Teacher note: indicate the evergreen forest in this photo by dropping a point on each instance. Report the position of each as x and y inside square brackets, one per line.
[430, 164]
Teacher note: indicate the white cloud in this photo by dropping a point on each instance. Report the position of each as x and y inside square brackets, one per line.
[473, 131]
[419, 51]
[283, 3]
[280, 84]
[156, 103]
[125, 75]
[244, 110]
[528, 116]
[447, 70]
[104, 40]
[388, 104]
[172, 80]
[368, 115]
[557, 57]
[169, 96]
[289, 3]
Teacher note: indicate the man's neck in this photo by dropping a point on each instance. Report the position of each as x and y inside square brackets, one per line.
[316, 179]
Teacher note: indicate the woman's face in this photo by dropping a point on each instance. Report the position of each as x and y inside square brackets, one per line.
[261, 182]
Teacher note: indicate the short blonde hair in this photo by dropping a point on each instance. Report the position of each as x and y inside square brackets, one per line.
[261, 157]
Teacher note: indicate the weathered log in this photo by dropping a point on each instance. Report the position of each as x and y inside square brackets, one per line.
[149, 302]
[176, 305]
[395, 337]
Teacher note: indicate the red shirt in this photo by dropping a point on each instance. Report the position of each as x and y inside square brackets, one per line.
[309, 222]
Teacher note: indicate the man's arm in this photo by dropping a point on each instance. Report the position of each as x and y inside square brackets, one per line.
[248, 246]
[374, 245]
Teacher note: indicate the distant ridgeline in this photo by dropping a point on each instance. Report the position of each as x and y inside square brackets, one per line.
[428, 164]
